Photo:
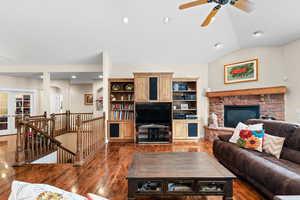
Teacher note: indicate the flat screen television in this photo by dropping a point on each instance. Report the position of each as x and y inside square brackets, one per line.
[153, 113]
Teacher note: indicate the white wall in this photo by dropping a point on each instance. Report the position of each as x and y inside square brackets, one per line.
[291, 54]
[277, 66]
[180, 71]
[7, 82]
[64, 86]
[77, 92]
[72, 94]
[107, 66]
[97, 93]
[271, 68]
[49, 159]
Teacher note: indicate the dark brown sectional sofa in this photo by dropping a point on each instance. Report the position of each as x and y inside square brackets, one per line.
[269, 175]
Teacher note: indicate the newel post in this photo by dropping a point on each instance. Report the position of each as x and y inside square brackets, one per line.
[79, 147]
[45, 114]
[52, 128]
[20, 154]
[68, 121]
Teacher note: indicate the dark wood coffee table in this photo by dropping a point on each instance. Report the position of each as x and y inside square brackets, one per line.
[178, 174]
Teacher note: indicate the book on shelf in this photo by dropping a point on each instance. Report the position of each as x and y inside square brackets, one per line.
[122, 106]
[122, 115]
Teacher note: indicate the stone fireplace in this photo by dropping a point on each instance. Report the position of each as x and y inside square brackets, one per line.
[245, 104]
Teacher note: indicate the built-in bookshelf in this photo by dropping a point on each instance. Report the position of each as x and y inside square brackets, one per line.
[121, 99]
[184, 99]
[23, 105]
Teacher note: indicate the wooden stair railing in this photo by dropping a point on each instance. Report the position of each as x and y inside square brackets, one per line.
[36, 137]
[35, 140]
[90, 137]
[66, 122]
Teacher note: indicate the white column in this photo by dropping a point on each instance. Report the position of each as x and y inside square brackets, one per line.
[107, 64]
[46, 92]
[97, 93]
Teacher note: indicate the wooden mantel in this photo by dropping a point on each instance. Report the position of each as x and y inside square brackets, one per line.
[252, 91]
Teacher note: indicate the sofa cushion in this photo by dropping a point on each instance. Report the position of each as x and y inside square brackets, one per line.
[277, 175]
[291, 133]
[281, 129]
[225, 138]
[291, 155]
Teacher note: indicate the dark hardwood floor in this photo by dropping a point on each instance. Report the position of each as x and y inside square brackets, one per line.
[105, 174]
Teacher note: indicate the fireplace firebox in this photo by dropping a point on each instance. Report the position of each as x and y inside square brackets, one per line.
[234, 114]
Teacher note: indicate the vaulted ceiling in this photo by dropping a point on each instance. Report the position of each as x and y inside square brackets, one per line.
[75, 31]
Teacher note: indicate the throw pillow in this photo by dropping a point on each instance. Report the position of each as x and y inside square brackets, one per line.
[95, 197]
[241, 126]
[251, 139]
[28, 191]
[273, 145]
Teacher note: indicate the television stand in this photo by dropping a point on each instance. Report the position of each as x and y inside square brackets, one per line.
[153, 133]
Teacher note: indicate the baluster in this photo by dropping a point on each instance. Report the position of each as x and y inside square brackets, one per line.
[68, 121]
[20, 154]
[78, 159]
[88, 137]
[32, 145]
[58, 156]
[52, 126]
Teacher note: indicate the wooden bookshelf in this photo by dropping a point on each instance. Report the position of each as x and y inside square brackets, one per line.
[184, 99]
[185, 115]
[121, 110]
[23, 105]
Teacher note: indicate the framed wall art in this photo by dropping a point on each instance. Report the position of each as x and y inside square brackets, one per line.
[88, 99]
[241, 72]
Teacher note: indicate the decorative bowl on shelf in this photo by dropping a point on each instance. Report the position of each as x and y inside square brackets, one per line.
[129, 87]
[115, 87]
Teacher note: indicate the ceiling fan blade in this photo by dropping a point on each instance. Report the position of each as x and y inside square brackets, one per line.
[244, 5]
[211, 15]
[192, 4]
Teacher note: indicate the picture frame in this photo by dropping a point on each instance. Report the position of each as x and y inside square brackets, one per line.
[88, 99]
[244, 71]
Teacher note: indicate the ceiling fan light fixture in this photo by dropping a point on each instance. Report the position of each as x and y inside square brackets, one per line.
[257, 33]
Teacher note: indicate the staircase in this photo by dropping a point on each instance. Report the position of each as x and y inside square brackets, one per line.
[36, 137]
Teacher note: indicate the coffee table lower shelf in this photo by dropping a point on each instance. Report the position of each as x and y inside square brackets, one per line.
[162, 187]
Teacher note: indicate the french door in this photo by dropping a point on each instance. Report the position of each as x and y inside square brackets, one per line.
[14, 104]
[4, 114]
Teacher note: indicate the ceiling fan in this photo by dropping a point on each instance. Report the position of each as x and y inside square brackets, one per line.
[244, 5]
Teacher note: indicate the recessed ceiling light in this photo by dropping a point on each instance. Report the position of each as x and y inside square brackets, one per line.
[257, 33]
[218, 45]
[73, 77]
[166, 20]
[100, 76]
[125, 20]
